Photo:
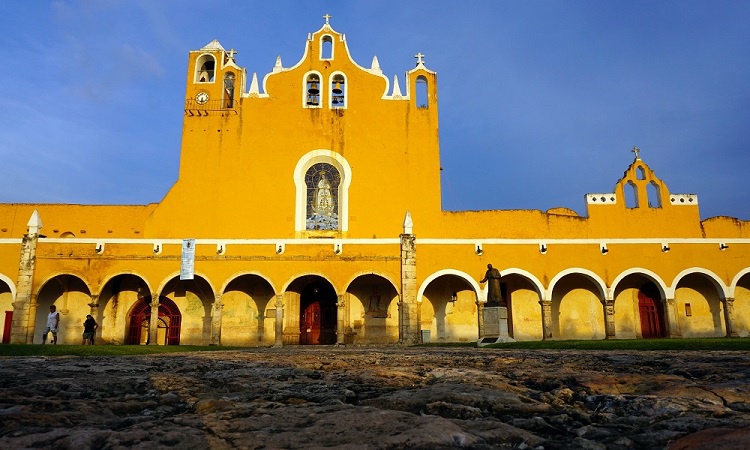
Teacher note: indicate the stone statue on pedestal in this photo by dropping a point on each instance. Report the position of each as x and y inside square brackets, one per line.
[494, 296]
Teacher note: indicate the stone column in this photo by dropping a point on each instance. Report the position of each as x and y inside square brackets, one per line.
[279, 324]
[609, 319]
[673, 324]
[546, 319]
[24, 315]
[729, 317]
[94, 311]
[153, 324]
[342, 320]
[216, 320]
[409, 323]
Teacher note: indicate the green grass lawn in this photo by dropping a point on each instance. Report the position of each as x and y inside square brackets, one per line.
[704, 344]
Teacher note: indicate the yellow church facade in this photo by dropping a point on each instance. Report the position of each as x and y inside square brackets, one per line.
[307, 211]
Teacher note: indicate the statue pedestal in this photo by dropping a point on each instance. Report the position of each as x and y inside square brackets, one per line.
[495, 326]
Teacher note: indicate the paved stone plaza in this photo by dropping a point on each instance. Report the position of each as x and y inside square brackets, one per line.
[378, 397]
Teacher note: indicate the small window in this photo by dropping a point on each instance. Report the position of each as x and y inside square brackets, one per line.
[654, 197]
[229, 90]
[338, 91]
[631, 195]
[640, 173]
[421, 92]
[326, 47]
[312, 92]
[206, 69]
[688, 310]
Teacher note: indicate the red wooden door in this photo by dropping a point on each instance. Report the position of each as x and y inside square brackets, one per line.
[7, 326]
[650, 317]
[310, 324]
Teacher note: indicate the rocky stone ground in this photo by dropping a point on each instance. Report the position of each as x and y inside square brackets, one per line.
[378, 398]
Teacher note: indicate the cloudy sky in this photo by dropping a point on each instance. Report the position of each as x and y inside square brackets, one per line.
[540, 101]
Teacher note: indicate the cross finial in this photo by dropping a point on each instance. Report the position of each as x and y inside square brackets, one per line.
[419, 57]
[636, 150]
[231, 54]
[327, 17]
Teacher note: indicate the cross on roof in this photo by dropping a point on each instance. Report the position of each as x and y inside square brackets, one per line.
[419, 57]
[636, 150]
[327, 17]
[231, 54]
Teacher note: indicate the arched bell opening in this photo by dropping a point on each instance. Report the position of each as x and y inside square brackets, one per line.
[169, 323]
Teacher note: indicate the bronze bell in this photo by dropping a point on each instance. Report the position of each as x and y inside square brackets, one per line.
[313, 89]
[337, 88]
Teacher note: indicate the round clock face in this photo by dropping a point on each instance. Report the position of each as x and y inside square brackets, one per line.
[201, 98]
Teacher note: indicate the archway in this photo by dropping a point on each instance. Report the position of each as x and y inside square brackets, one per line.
[651, 312]
[372, 313]
[169, 323]
[741, 321]
[449, 309]
[6, 310]
[318, 314]
[577, 308]
[522, 298]
[71, 296]
[243, 319]
[699, 308]
[116, 298]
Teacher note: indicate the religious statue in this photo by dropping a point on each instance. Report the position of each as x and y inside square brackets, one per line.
[494, 296]
[323, 198]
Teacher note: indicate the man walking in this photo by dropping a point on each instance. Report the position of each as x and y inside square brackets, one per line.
[53, 321]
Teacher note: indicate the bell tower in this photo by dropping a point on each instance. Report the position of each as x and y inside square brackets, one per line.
[214, 81]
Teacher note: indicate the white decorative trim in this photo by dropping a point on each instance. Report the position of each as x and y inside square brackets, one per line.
[11, 286]
[736, 280]
[458, 273]
[523, 274]
[683, 199]
[320, 47]
[330, 90]
[199, 62]
[304, 163]
[600, 284]
[601, 199]
[54, 275]
[656, 279]
[237, 275]
[213, 45]
[718, 283]
[304, 90]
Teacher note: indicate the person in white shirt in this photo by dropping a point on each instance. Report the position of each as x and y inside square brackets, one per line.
[53, 321]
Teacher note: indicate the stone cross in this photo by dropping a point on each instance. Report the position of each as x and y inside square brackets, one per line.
[231, 54]
[636, 150]
[327, 17]
[419, 57]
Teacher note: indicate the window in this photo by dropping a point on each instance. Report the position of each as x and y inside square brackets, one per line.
[654, 197]
[631, 195]
[229, 90]
[312, 91]
[338, 91]
[421, 88]
[326, 47]
[688, 310]
[640, 173]
[322, 182]
[205, 69]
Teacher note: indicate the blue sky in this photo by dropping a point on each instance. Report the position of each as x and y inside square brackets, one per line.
[540, 101]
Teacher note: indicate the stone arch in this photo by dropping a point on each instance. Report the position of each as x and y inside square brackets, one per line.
[370, 313]
[117, 296]
[11, 286]
[451, 310]
[699, 303]
[639, 299]
[245, 298]
[523, 296]
[194, 299]
[310, 310]
[577, 310]
[169, 323]
[71, 295]
[740, 291]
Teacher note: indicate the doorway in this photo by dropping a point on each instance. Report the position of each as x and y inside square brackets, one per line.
[318, 314]
[168, 332]
[650, 310]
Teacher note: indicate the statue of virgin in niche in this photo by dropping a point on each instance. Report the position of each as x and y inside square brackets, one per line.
[323, 198]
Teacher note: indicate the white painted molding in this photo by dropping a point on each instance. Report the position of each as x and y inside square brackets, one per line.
[601, 199]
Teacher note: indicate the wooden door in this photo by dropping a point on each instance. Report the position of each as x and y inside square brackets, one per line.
[310, 324]
[7, 327]
[651, 320]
